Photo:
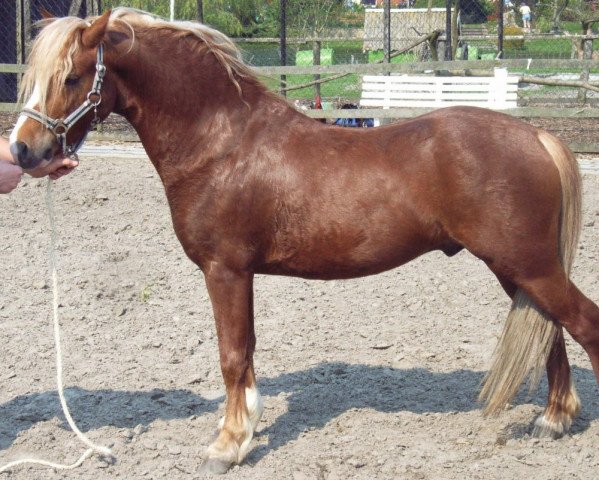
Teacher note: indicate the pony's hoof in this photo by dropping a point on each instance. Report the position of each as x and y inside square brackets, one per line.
[214, 466]
[544, 428]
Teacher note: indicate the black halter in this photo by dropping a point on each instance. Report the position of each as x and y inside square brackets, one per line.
[60, 127]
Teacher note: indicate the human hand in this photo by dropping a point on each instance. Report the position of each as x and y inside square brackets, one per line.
[56, 168]
[10, 176]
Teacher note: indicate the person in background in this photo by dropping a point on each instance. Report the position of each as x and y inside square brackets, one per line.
[525, 11]
[11, 173]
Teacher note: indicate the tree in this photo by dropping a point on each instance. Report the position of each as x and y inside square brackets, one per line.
[247, 17]
[311, 17]
[241, 17]
[232, 17]
[550, 13]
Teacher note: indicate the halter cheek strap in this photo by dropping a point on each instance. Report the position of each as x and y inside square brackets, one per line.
[60, 127]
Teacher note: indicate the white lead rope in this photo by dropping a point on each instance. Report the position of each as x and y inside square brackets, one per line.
[93, 448]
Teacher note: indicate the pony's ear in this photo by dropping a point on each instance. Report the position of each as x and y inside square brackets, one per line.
[46, 15]
[119, 37]
[116, 37]
[94, 34]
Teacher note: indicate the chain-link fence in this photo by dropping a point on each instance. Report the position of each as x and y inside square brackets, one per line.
[332, 32]
[8, 54]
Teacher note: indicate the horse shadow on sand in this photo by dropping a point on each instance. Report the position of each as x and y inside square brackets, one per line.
[314, 396]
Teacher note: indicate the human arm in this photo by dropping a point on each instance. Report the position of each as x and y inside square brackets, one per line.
[10, 174]
[5, 154]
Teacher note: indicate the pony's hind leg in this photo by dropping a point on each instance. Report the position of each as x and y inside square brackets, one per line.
[563, 403]
[565, 304]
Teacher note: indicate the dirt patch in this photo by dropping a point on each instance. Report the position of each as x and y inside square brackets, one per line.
[368, 378]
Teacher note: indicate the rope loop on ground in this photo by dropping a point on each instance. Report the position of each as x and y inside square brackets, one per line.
[93, 448]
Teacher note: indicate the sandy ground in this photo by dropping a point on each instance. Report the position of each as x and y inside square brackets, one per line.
[368, 378]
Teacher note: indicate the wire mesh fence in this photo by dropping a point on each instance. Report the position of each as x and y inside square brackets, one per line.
[9, 38]
[340, 32]
[17, 29]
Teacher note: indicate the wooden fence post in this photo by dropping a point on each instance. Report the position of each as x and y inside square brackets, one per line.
[19, 41]
[448, 52]
[283, 42]
[587, 54]
[441, 50]
[500, 10]
[387, 47]
[26, 26]
[200, 9]
[455, 37]
[93, 7]
[75, 7]
[316, 61]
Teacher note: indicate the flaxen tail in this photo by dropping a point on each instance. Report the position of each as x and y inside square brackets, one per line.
[528, 335]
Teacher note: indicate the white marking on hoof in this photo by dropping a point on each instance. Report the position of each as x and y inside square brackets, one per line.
[225, 448]
[219, 453]
[550, 428]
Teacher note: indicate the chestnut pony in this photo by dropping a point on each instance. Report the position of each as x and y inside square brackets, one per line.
[256, 187]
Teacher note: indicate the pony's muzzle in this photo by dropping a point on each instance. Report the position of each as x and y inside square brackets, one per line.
[28, 158]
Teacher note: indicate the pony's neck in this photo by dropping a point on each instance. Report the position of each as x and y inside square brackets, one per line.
[183, 104]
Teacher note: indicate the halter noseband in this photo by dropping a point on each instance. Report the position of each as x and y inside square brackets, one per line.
[60, 127]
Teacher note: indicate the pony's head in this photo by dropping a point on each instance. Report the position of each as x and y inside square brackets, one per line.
[64, 89]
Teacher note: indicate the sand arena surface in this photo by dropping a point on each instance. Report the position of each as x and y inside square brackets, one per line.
[368, 378]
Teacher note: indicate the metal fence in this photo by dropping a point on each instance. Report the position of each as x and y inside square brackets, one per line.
[334, 32]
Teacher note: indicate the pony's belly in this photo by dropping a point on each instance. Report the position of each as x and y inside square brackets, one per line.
[339, 265]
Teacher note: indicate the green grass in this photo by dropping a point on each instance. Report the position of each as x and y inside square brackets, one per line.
[306, 57]
[541, 48]
[572, 27]
[424, 4]
[378, 56]
[545, 48]
[345, 87]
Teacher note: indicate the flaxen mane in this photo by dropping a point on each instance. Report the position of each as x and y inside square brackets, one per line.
[218, 43]
[51, 57]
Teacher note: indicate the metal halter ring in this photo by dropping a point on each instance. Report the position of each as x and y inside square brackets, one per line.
[60, 128]
[98, 100]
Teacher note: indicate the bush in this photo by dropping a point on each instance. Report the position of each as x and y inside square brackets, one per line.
[513, 43]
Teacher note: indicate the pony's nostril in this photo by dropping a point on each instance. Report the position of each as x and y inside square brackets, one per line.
[47, 154]
[19, 150]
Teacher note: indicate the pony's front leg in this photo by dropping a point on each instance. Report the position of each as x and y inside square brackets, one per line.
[231, 295]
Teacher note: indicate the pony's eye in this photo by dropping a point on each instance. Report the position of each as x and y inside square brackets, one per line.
[71, 80]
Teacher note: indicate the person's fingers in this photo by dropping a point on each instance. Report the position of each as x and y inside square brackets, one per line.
[57, 174]
[61, 172]
[69, 162]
